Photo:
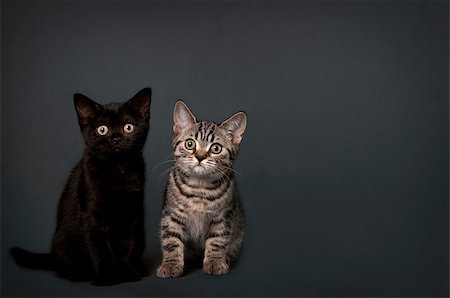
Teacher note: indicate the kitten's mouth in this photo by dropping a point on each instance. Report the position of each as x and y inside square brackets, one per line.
[116, 149]
[199, 169]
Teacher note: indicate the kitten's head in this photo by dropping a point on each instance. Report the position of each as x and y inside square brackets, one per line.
[203, 148]
[116, 127]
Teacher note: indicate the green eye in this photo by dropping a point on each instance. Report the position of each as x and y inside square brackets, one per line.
[216, 148]
[189, 144]
[128, 128]
[102, 130]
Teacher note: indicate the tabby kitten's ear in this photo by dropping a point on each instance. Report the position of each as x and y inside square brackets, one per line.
[182, 117]
[86, 108]
[235, 125]
[140, 103]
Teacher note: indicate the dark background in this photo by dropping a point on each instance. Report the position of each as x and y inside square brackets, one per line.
[345, 161]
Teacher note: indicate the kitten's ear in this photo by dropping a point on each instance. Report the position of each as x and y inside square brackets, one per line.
[182, 117]
[140, 103]
[235, 125]
[86, 108]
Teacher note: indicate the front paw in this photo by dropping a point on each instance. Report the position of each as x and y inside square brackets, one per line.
[215, 267]
[169, 270]
[104, 279]
[128, 274]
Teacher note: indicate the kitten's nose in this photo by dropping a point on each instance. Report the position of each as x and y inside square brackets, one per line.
[201, 154]
[200, 157]
[116, 137]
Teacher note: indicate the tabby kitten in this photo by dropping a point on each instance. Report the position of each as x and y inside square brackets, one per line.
[100, 221]
[202, 213]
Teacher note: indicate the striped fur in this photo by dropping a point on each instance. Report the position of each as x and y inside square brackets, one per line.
[202, 214]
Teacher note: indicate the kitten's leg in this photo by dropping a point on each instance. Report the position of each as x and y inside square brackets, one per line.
[172, 234]
[234, 248]
[131, 245]
[100, 251]
[128, 252]
[216, 247]
[72, 259]
[138, 248]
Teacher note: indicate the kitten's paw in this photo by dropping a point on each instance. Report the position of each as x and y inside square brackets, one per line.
[129, 274]
[104, 280]
[215, 267]
[168, 270]
[141, 268]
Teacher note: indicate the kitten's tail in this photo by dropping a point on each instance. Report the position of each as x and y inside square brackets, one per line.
[32, 260]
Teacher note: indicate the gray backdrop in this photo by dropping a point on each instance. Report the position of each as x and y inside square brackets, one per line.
[344, 162]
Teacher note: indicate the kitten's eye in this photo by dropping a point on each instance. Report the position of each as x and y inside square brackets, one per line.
[216, 148]
[189, 144]
[102, 130]
[128, 128]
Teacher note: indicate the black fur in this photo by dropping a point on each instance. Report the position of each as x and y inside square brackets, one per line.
[100, 222]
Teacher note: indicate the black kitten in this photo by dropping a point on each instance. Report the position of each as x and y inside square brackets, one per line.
[100, 230]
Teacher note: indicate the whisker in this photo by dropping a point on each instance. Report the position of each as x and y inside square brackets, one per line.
[163, 162]
[168, 156]
[231, 169]
[216, 175]
[223, 174]
[164, 173]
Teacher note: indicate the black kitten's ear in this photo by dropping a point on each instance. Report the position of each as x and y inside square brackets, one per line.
[235, 125]
[86, 108]
[182, 117]
[140, 103]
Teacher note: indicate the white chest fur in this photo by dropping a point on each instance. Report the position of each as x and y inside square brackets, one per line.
[198, 224]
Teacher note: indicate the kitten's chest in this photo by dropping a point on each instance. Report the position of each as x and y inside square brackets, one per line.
[198, 225]
[122, 177]
[123, 171]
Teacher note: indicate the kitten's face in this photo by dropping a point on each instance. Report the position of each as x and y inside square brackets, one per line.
[203, 148]
[114, 128]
